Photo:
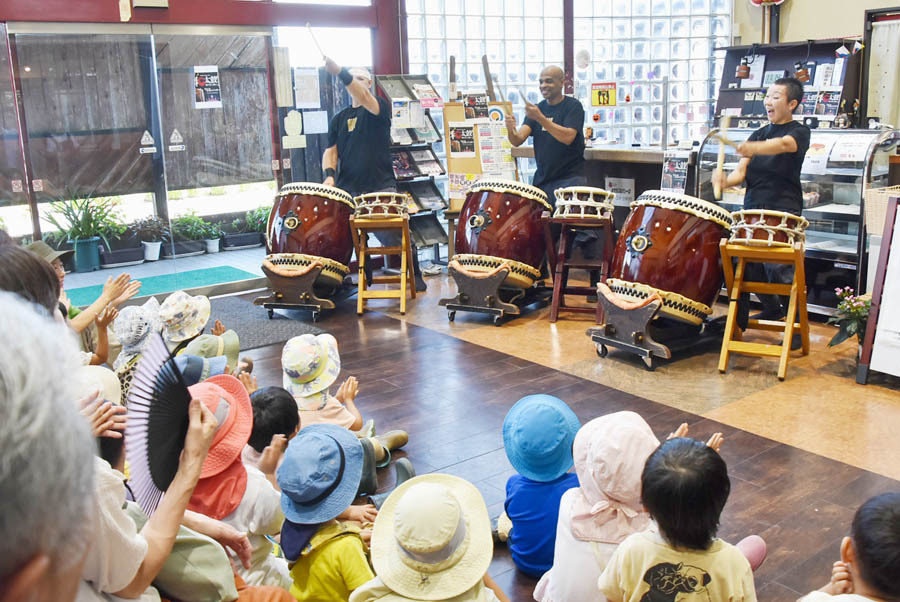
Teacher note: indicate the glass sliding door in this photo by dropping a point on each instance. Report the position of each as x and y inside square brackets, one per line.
[15, 215]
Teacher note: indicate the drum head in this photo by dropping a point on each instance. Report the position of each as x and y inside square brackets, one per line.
[674, 305]
[687, 204]
[513, 187]
[320, 190]
[583, 202]
[521, 275]
[333, 273]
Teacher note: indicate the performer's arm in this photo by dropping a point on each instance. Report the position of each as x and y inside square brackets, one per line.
[772, 146]
[329, 162]
[516, 136]
[357, 90]
[735, 178]
[561, 133]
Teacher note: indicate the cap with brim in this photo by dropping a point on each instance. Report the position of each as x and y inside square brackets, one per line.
[47, 252]
[93, 378]
[226, 397]
[184, 316]
[538, 433]
[310, 364]
[210, 345]
[196, 369]
[432, 538]
[320, 473]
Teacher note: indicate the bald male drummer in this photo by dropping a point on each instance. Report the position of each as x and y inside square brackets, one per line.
[556, 126]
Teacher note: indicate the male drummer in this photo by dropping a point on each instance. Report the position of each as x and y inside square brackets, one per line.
[358, 157]
[771, 162]
[556, 125]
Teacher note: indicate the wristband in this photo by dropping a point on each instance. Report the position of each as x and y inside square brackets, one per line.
[345, 76]
[329, 172]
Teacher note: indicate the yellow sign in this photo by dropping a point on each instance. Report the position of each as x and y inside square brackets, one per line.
[603, 94]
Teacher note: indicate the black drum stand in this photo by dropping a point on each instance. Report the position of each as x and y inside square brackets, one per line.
[485, 294]
[294, 292]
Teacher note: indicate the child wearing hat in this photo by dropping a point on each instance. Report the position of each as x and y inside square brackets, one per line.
[432, 541]
[319, 478]
[538, 433]
[238, 495]
[133, 328]
[183, 318]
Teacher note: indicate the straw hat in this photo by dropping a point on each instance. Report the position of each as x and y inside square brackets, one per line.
[310, 363]
[39, 247]
[91, 378]
[538, 432]
[432, 538]
[227, 398]
[183, 316]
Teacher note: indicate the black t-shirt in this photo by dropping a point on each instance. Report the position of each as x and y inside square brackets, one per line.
[556, 160]
[773, 181]
[364, 149]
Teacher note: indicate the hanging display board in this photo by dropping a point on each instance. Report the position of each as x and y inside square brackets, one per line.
[477, 146]
[881, 346]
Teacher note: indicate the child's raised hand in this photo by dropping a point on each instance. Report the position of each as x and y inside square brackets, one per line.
[107, 316]
[362, 514]
[106, 418]
[250, 383]
[715, 442]
[841, 579]
[348, 390]
[218, 329]
[681, 431]
[271, 455]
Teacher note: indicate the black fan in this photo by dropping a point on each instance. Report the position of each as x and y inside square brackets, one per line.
[157, 422]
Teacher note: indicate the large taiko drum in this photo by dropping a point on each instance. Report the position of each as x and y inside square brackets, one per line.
[500, 222]
[311, 219]
[669, 244]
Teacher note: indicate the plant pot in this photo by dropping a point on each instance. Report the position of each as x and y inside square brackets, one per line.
[151, 250]
[119, 258]
[87, 254]
[212, 245]
[183, 248]
[245, 240]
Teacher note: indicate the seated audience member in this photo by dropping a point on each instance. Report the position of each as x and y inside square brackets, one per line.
[183, 318]
[238, 495]
[319, 479]
[684, 487]
[196, 369]
[432, 541]
[211, 345]
[275, 422]
[133, 328]
[538, 433]
[26, 274]
[41, 435]
[869, 568]
[311, 364]
[595, 517]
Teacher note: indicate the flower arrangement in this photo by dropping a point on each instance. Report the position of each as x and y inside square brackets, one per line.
[852, 315]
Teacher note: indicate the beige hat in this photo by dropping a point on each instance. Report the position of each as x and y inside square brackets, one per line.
[432, 538]
[183, 317]
[41, 248]
[91, 378]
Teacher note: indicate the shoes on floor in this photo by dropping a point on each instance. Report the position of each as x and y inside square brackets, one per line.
[368, 483]
[404, 471]
[501, 529]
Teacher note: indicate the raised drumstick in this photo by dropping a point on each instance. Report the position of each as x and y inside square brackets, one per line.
[723, 126]
[315, 41]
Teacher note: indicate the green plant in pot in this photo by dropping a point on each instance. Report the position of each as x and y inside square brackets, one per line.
[122, 246]
[188, 234]
[212, 235]
[152, 232]
[244, 232]
[85, 220]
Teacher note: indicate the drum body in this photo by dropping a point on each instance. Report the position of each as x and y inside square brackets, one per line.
[670, 244]
[583, 202]
[767, 228]
[501, 220]
[311, 219]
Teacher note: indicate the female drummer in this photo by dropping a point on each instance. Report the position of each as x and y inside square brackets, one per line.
[771, 162]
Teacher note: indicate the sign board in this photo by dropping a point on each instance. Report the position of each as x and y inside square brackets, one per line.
[623, 188]
[603, 94]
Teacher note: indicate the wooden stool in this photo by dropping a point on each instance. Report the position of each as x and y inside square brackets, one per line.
[560, 264]
[360, 227]
[796, 318]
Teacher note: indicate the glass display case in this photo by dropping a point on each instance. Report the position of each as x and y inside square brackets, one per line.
[840, 165]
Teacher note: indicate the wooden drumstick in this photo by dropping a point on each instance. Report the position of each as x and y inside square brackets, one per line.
[723, 125]
[315, 41]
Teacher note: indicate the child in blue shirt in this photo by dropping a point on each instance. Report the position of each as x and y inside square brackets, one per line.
[538, 433]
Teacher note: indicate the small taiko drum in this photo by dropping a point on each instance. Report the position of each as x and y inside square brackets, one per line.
[382, 205]
[583, 202]
[295, 264]
[311, 219]
[669, 244]
[500, 223]
[767, 228]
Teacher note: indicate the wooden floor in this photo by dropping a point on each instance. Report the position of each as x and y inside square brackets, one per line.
[452, 395]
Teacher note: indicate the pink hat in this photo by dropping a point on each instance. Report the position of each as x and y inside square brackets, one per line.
[227, 398]
[610, 453]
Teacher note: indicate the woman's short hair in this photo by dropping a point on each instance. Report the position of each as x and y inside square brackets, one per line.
[684, 486]
[30, 276]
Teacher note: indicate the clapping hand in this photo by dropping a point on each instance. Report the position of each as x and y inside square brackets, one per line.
[107, 317]
[348, 390]
[106, 418]
[272, 454]
[714, 442]
[218, 328]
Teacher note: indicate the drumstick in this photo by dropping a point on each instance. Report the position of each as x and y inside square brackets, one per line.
[315, 41]
[717, 188]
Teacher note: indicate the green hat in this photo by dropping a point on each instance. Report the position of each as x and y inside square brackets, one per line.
[210, 345]
[39, 247]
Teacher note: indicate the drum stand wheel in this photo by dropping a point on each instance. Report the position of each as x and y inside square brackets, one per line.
[294, 292]
[481, 293]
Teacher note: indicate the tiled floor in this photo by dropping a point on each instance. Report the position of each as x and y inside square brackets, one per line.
[450, 385]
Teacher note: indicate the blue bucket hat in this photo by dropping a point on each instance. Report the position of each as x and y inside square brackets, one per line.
[196, 369]
[320, 474]
[538, 433]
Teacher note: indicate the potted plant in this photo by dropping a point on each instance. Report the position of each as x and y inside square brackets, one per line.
[241, 235]
[851, 317]
[188, 233]
[121, 246]
[212, 235]
[85, 221]
[152, 232]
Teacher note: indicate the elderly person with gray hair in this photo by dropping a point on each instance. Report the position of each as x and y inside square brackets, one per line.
[46, 459]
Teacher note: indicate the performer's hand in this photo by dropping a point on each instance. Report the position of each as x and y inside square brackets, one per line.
[532, 111]
[331, 67]
[720, 179]
[511, 123]
[748, 149]
[329, 181]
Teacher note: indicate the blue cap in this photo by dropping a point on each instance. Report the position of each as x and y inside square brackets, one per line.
[538, 433]
[196, 369]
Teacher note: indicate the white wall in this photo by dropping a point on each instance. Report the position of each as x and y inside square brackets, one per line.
[808, 19]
